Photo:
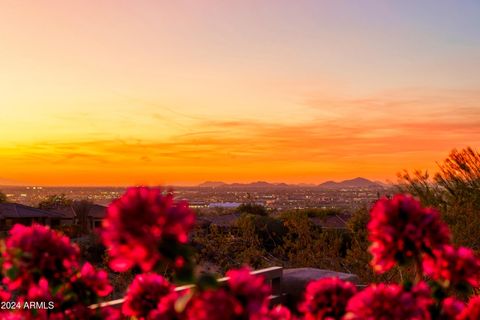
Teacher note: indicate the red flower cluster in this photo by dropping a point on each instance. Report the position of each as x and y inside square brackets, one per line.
[251, 291]
[450, 309]
[278, 313]
[150, 296]
[107, 313]
[214, 305]
[4, 295]
[39, 292]
[37, 252]
[390, 302]
[471, 311]
[400, 229]
[245, 297]
[64, 304]
[67, 303]
[326, 299]
[41, 265]
[84, 288]
[94, 280]
[141, 222]
[453, 267]
[79, 312]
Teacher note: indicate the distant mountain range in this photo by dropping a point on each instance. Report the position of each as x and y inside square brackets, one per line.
[212, 184]
[351, 183]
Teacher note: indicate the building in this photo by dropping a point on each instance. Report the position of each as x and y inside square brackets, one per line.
[336, 221]
[95, 214]
[228, 205]
[12, 213]
[223, 221]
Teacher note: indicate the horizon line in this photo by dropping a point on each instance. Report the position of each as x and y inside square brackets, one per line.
[166, 185]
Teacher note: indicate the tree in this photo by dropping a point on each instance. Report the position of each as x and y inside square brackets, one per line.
[305, 245]
[455, 190]
[459, 176]
[321, 213]
[252, 208]
[358, 257]
[269, 231]
[55, 201]
[82, 209]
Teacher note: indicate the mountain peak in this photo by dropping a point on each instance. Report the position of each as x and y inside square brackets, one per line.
[358, 182]
[212, 184]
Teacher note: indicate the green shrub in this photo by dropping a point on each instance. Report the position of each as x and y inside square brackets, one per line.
[455, 190]
[252, 208]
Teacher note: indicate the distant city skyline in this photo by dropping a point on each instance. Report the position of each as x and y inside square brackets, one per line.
[272, 196]
[208, 183]
[181, 92]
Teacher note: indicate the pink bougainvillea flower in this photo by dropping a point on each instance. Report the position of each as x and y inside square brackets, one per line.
[166, 308]
[141, 222]
[450, 309]
[472, 310]
[400, 229]
[4, 295]
[37, 252]
[250, 290]
[69, 299]
[77, 312]
[453, 266]
[390, 302]
[40, 293]
[83, 312]
[279, 313]
[94, 280]
[149, 295]
[214, 305]
[72, 299]
[9, 315]
[109, 313]
[326, 299]
[245, 296]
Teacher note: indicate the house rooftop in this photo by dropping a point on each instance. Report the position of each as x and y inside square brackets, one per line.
[226, 220]
[16, 210]
[95, 211]
[337, 221]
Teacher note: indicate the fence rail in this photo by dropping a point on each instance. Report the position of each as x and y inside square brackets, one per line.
[272, 275]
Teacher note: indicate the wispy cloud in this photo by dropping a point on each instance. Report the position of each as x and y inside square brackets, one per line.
[376, 136]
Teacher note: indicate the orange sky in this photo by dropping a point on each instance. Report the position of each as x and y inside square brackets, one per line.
[149, 92]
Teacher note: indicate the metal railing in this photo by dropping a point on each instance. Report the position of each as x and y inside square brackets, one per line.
[272, 276]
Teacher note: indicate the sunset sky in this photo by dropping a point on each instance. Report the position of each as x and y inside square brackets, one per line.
[179, 92]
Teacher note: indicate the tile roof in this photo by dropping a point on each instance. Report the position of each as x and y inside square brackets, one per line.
[16, 210]
[226, 220]
[337, 221]
[66, 212]
[96, 211]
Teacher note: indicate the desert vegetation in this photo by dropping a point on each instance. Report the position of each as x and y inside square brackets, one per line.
[145, 230]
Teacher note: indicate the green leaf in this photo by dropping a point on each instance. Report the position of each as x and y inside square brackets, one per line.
[206, 281]
[12, 273]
